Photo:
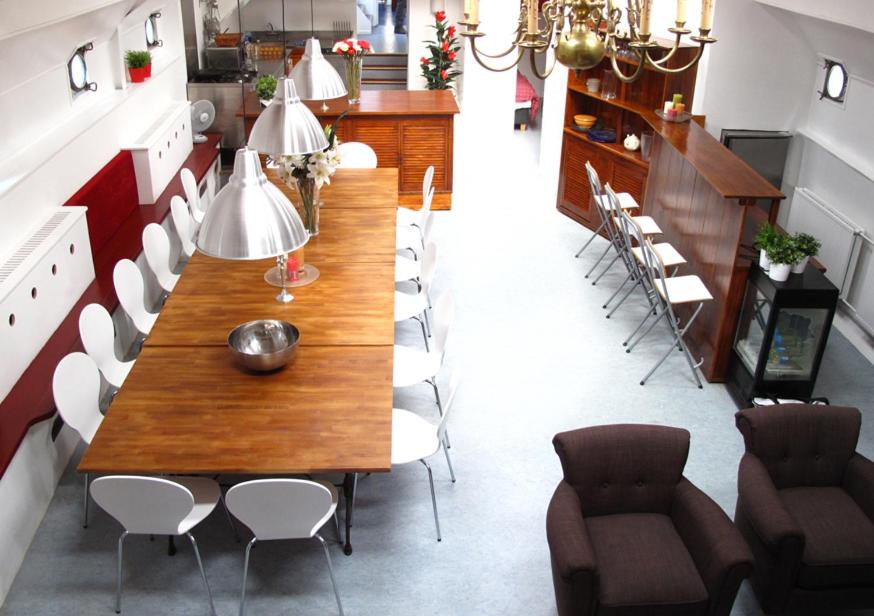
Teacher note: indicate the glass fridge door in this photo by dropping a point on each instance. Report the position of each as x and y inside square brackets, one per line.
[751, 329]
[795, 342]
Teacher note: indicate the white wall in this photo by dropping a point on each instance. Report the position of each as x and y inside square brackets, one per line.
[258, 13]
[52, 144]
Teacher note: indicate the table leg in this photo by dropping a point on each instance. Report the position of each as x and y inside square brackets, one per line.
[171, 546]
[349, 482]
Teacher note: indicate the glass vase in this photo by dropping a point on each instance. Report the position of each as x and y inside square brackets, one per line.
[308, 194]
[353, 79]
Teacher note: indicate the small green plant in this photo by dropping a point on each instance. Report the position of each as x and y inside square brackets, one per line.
[137, 59]
[806, 244]
[782, 250]
[766, 234]
[266, 87]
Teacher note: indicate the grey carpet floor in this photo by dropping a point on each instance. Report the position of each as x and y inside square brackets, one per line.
[537, 357]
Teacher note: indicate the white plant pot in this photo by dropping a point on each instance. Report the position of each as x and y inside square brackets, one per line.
[799, 267]
[779, 271]
[764, 262]
[265, 102]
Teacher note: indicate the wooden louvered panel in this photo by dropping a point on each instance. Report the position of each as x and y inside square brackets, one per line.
[630, 178]
[575, 191]
[425, 143]
[381, 134]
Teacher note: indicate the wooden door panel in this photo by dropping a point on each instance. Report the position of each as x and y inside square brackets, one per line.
[381, 134]
[424, 143]
[628, 177]
[575, 190]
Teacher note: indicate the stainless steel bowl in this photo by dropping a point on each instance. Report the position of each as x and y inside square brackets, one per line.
[264, 345]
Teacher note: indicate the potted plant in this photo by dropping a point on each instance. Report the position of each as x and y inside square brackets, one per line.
[265, 88]
[807, 246]
[783, 254]
[764, 237]
[440, 69]
[139, 65]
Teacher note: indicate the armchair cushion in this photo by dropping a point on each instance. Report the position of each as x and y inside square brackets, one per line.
[644, 567]
[801, 444]
[839, 546]
[859, 483]
[623, 468]
[571, 553]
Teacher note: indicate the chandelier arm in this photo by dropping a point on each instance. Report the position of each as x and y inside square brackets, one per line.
[482, 63]
[662, 61]
[512, 48]
[622, 76]
[674, 71]
[547, 72]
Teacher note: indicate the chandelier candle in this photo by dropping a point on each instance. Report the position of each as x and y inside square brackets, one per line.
[533, 16]
[645, 13]
[707, 15]
[681, 12]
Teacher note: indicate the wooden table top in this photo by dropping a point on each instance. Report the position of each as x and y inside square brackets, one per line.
[187, 408]
[376, 103]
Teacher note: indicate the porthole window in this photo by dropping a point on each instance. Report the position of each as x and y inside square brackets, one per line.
[77, 70]
[834, 87]
[151, 26]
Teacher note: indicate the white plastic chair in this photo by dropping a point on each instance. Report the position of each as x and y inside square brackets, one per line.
[131, 292]
[192, 195]
[76, 389]
[184, 225]
[407, 268]
[357, 155]
[408, 306]
[416, 218]
[156, 247]
[413, 366]
[283, 509]
[155, 506]
[414, 439]
[98, 337]
[412, 237]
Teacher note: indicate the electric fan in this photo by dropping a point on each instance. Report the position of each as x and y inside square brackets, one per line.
[202, 117]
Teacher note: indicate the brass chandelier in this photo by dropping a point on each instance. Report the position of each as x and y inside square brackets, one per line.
[582, 32]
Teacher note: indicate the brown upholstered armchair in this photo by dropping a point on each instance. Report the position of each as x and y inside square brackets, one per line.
[629, 535]
[806, 507]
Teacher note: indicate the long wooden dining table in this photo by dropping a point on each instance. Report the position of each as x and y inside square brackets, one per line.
[187, 408]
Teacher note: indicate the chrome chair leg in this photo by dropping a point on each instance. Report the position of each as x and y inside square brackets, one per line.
[448, 461]
[606, 269]
[598, 262]
[337, 527]
[331, 572]
[658, 315]
[245, 574]
[433, 384]
[229, 519]
[591, 239]
[118, 582]
[424, 333]
[202, 573]
[646, 317]
[630, 276]
[433, 499]
[678, 339]
[628, 293]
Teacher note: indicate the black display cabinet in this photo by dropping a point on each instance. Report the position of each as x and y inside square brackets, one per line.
[781, 336]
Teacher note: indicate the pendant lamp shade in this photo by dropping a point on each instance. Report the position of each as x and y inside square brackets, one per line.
[315, 78]
[250, 218]
[287, 126]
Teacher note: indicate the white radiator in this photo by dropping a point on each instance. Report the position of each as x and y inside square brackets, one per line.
[161, 150]
[847, 251]
[39, 284]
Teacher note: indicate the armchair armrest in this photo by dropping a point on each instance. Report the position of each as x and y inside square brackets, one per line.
[720, 553]
[573, 557]
[859, 483]
[761, 505]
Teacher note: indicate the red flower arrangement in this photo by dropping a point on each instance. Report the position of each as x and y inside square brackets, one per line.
[439, 70]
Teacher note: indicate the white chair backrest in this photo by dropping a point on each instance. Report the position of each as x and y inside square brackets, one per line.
[98, 337]
[444, 315]
[428, 229]
[76, 388]
[427, 180]
[156, 246]
[357, 155]
[189, 185]
[425, 212]
[618, 218]
[450, 402]
[429, 267]
[183, 223]
[144, 505]
[280, 508]
[131, 292]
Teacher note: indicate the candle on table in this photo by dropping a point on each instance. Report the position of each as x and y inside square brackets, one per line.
[645, 12]
[678, 98]
[707, 14]
[681, 11]
[668, 106]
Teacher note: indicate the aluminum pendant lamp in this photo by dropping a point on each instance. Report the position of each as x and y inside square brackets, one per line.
[287, 126]
[316, 79]
[250, 218]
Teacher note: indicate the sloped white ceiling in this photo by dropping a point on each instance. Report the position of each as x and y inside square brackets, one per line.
[853, 13]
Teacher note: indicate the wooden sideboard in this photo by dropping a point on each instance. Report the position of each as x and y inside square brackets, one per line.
[409, 130]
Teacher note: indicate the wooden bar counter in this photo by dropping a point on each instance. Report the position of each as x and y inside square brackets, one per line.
[409, 130]
[709, 204]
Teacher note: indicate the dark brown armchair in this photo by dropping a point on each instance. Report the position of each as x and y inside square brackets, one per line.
[629, 535]
[806, 507]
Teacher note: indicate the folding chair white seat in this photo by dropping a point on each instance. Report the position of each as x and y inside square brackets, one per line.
[666, 252]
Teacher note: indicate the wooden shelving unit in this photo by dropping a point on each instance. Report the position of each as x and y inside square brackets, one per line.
[625, 171]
